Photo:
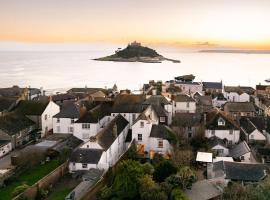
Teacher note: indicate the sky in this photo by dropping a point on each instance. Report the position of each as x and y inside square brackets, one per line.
[202, 23]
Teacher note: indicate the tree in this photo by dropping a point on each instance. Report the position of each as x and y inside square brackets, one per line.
[148, 168]
[235, 191]
[126, 181]
[150, 190]
[187, 177]
[163, 170]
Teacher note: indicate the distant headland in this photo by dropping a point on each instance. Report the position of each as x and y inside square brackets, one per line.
[235, 51]
[135, 52]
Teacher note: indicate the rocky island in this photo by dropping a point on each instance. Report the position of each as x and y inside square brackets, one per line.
[134, 52]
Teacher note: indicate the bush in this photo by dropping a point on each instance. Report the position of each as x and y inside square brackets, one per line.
[177, 194]
[18, 190]
[163, 170]
[148, 168]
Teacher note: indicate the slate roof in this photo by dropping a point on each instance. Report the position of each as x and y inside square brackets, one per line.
[31, 107]
[212, 85]
[106, 136]
[69, 110]
[239, 89]
[160, 131]
[249, 124]
[12, 123]
[205, 100]
[239, 150]
[11, 92]
[63, 97]
[187, 119]
[83, 155]
[95, 114]
[128, 99]
[239, 107]
[219, 96]
[159, 110]
[6, 103]
[214, 141]
[4, 142]
[132, 108]
[264, 151]
[244, 171]
[156, 100]
[212, 121]
[182, 98]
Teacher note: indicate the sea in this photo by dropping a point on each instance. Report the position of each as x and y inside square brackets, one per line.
[57, 70]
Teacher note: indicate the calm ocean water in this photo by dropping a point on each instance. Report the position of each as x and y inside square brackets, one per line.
[65, 69]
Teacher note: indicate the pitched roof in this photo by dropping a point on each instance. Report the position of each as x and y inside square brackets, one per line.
[239, 107]
[212, 121]
[239, 89]
[261, 87]
[187, 119]
[12, 123]
[214, 141]
[63, 97]
[132, 108]
[249, 124]
[107, 136]
[212, 85]
[156, 100]
[95, 114]
[83, 155]
[239, 150]
[128, 99]
[160, 131]
[69, 110]
[182, 98]
[239, 171]
[244, 171]
[159, 110]
[4, 142]
[6, 103]
[205, 100]
[31, 107]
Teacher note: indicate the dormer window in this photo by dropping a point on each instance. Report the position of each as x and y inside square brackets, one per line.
[221, 122]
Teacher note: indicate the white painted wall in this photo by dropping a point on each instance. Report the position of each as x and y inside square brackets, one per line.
[225, 150]
[190, 88]
[235, 97]
[4, 150]
[222, 134]
[257, 135]
[218, 103]
[64, 125]
[47, 117]
[184, 107]
[85, 134]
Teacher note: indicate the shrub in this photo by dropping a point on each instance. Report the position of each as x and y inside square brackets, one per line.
[163, 170]
[18, 190]
[177, 194]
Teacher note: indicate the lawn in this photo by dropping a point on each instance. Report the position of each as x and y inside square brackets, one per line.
[60, 195]
[28, 177]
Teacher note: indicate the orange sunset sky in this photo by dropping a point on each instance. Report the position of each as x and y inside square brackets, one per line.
[233, 23]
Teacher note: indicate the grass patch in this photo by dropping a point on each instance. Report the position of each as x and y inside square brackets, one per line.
[28, 177]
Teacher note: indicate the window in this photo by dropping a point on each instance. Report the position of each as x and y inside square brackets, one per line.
[231, 132]
[213, 132]
[160, 144]
[139, 137]
[124, 115]
[162, 119]
[251, 136]
[84, 165]
[46, 116]
[221, 122]
[85, 126]
[72, 121]
[58, 120]
[220, 151]
[142, 124]
[71, 129]
[58, 129]
[113, 115]
[187, 104]
[242, 157]
[230, 142]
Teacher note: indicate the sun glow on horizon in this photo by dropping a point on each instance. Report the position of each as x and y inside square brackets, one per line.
[239, 24]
